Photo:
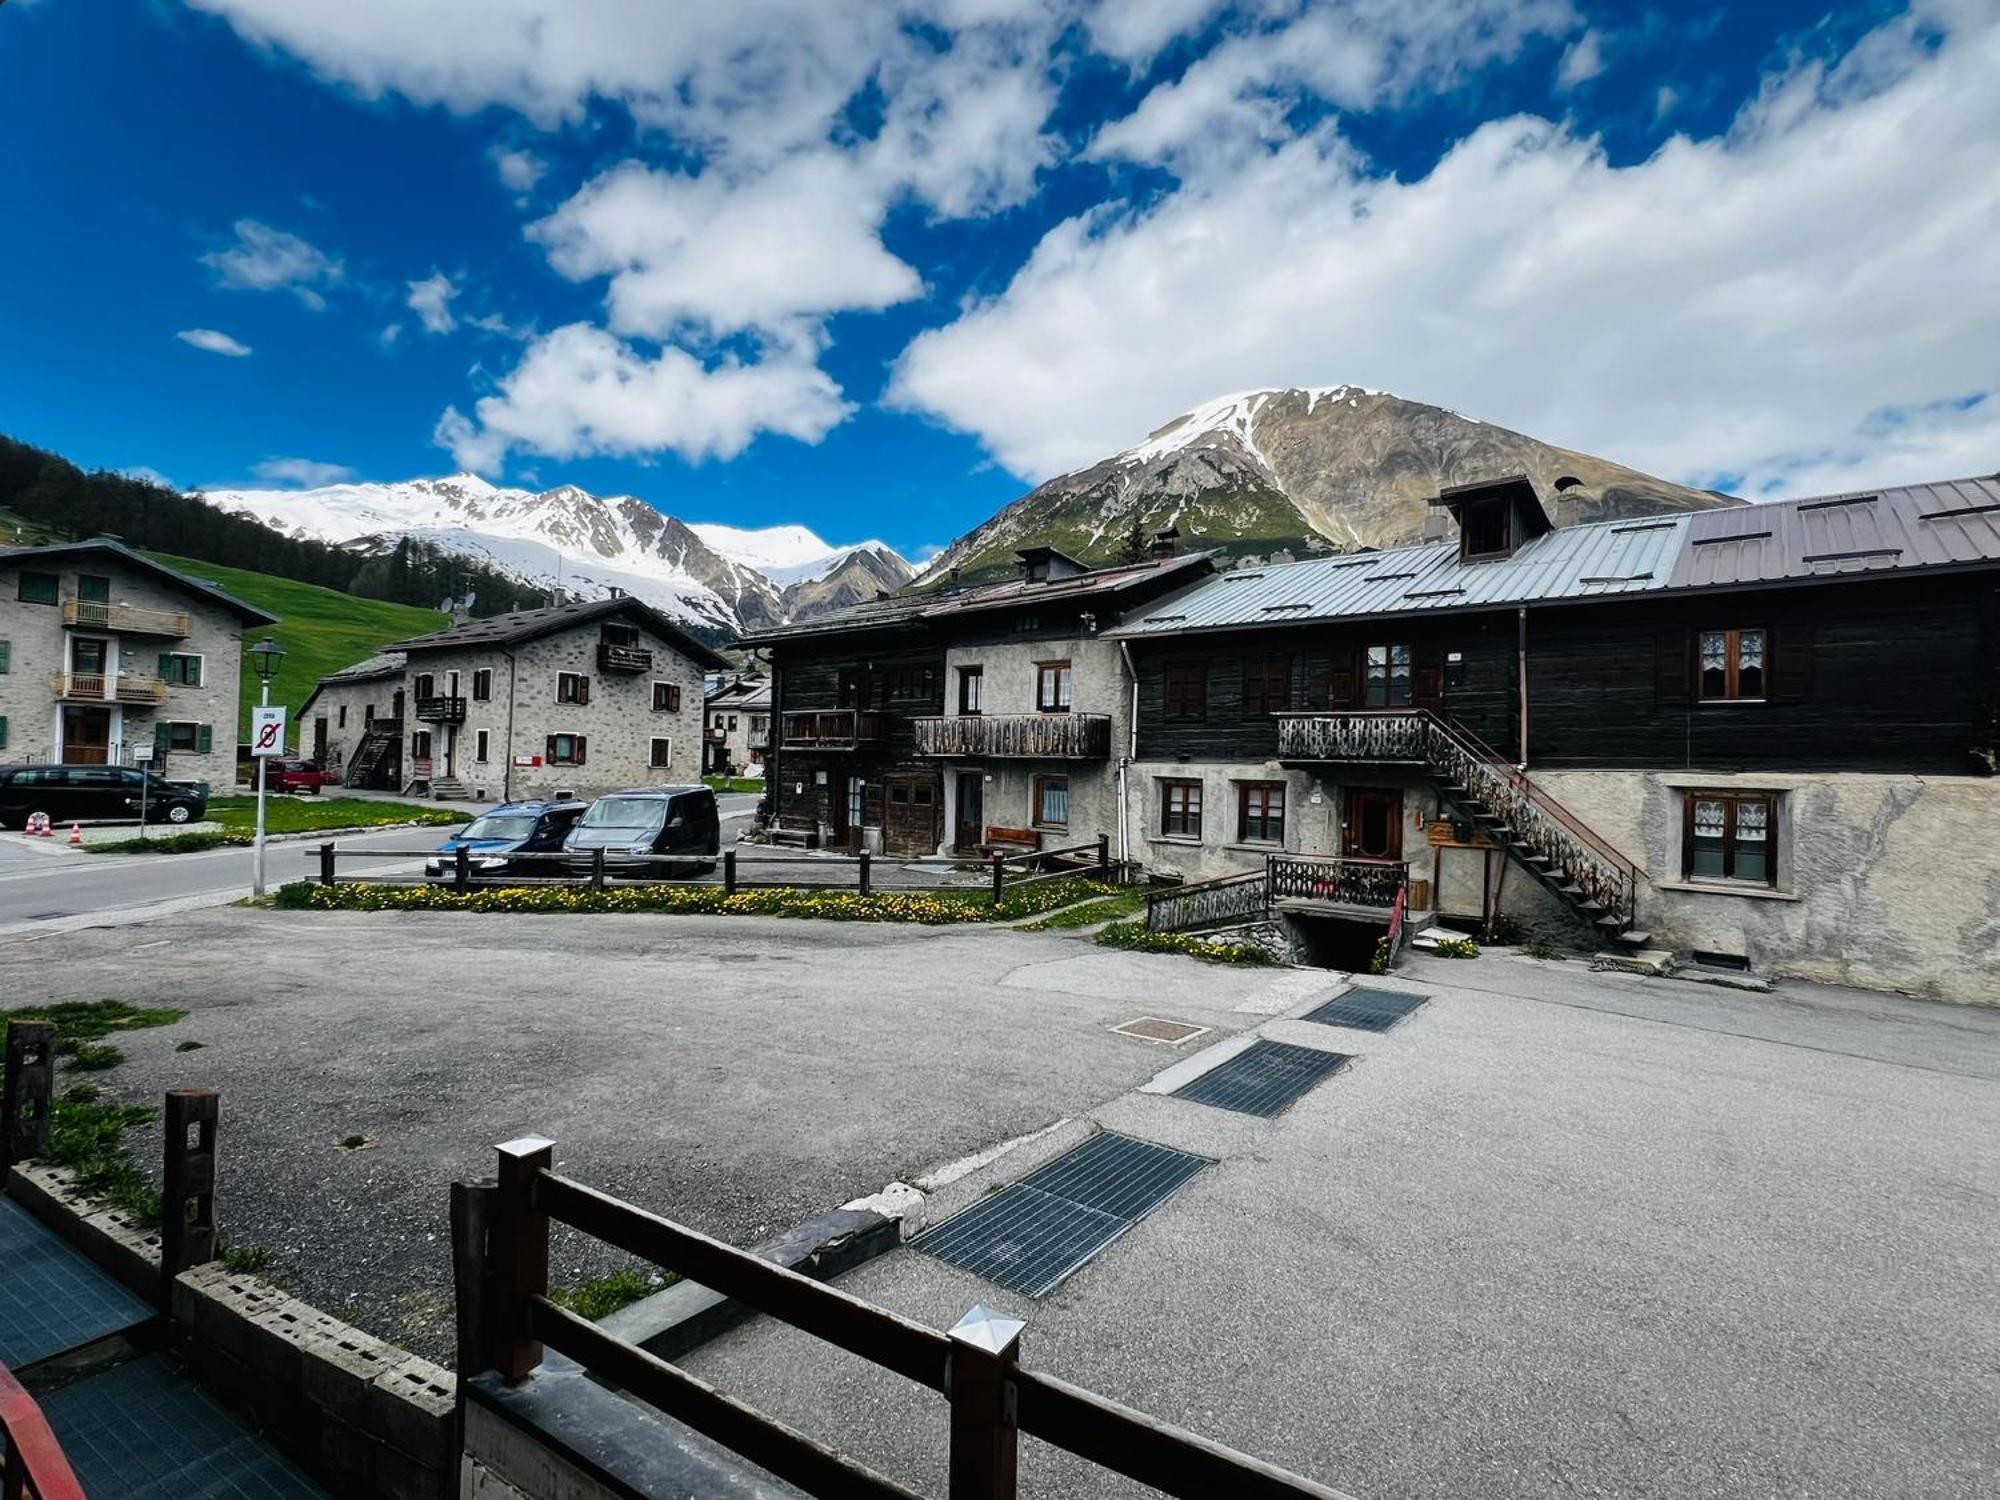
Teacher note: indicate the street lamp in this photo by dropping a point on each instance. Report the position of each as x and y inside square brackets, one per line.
[266, 656]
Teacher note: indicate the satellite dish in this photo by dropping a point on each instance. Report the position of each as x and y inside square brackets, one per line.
[471, 598]
[444, 605]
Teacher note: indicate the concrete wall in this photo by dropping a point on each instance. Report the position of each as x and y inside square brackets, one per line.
[1891, 882]
[39, 648]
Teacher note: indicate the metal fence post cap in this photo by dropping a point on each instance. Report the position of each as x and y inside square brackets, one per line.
[526, 1145]
[986, 1329]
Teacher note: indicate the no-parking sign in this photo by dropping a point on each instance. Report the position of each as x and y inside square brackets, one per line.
[267, 731]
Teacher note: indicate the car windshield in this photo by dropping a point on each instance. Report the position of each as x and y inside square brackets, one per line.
[501, 826]
[626, 812]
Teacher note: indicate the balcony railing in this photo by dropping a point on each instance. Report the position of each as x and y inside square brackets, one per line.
[1341, 882]
[94, 614]
[1378, 735]
[760, 739]
[612, 658]
[834, 729]
[437, 710]
[716, 736]
[95, 687]
[1016, 736]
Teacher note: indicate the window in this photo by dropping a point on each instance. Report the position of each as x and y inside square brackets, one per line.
[1386, 675]
[425, 686]
[732, 723]
[420, 745]
[1732, 836]
[5, 655]
[1486, 530]
[1180, 809]
[666, 697]
[181, 668]
[1260, 812]
[1052, 801]
[482, 686]
[1267, 686]
[971, 689]
[38, 588]
[93, 588]
[619, 635]
[341, 717]
[572, 687]
[367, 714]
[1052, 687]
[1732, 666]
[479, 744]
[565, 749]
[1187, 690]
[912, 684]
[663, 754]
[182, 735]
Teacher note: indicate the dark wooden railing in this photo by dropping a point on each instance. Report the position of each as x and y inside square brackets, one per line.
[611, 658]
[1346, 882]
[501, 1246]
[1209, 903]
[833, 729]
[1016, 736]
[1394, 735]
[439, 709]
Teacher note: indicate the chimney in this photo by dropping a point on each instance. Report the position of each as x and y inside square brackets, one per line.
[1167, 543]
[954, 585]
[1437, 526]
[558, 596]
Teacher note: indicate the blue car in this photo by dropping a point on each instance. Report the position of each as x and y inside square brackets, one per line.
[496, 836]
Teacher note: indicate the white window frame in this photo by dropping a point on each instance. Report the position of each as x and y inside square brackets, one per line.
[574, 734]
[653, 696]
[200, 658]
[479, 746]
[653, 761]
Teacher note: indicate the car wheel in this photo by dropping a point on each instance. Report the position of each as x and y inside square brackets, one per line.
[179, 812]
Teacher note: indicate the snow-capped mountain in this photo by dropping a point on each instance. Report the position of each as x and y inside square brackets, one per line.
[1264, 473]
[588, 544]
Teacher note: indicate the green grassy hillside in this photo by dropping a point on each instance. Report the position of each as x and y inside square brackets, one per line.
[321, 630]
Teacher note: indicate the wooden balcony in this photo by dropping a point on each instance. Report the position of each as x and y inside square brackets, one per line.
[1380, 736]
[88, 687]
[92, 614]
[716, 736]
[1318, 881]
[438, 710]
[1016, 736]
[834, 729]
[612, 658]
[760, 739]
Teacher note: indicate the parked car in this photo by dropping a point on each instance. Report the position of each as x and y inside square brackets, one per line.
[492, 839]
[76, 794]
[302, 776]
[654, 830]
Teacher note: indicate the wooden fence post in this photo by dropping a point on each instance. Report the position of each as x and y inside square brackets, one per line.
[518, 1247]
[729, 872]
[985, 1433]
[26, 1086]
[326, 861]
[1104, 856]
[187, 1209]
[471, 1274]
[864, 872]
[597, 868]
[999, 876]
[461, 868]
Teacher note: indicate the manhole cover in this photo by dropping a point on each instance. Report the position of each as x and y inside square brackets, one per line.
[1264, 1079]
[1154, 1029]
[1030, 1236]
[1364, 1009]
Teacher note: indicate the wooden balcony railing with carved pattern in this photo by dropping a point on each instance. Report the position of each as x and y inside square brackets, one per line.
[1016, 736]
[834, 729]
[130, 619]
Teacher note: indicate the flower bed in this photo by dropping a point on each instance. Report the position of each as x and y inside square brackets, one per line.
[1134, 937]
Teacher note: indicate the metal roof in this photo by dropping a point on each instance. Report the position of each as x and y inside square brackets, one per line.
[386, 664]
[532, 624]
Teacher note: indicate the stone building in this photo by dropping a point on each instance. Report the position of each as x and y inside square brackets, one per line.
[103, 650]
[737, 735]
[352, 722]
[579, 698]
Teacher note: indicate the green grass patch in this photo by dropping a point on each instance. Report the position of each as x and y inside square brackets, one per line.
[929, 908]
[1458, 947]
[734, 783]
[322, 630]
[1134, 938]
[311, 814]
[1108, 909]
[601, 1296]
[177, 843]
[1544, 950]
[243, 1260]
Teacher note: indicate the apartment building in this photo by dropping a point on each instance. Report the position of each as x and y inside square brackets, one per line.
[737, 735]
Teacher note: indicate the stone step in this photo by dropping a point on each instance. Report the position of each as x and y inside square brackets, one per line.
[1652, 961]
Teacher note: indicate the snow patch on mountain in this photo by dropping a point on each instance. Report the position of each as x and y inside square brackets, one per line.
[784, 554]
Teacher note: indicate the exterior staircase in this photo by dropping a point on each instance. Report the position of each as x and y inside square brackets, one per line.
[369, 756]
[449, 789]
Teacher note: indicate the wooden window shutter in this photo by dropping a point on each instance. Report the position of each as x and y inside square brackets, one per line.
[549, 752]
[5, 652]
[166, 666]
[579, 749]
[204, 739]
[583, 690]
[3, 731]
[1673, 665]
[160, 736]
[1791, 651]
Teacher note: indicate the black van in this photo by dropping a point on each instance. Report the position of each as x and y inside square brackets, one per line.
[83, 794]
[653, 830]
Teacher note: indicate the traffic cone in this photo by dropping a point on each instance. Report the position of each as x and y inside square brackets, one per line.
[48, 827]
[75, 834]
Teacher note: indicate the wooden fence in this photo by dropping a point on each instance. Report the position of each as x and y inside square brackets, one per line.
[501, 1249]
[1210, 903]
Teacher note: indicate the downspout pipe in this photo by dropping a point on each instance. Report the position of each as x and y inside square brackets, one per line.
[1131, 754]
[507, 774]
[1521, 656]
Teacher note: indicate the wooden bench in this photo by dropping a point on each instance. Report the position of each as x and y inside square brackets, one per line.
[1010, 840]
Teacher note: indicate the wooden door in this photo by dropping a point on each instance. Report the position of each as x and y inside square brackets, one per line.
[971, 809]
[1373, 827]
[86, 736]
[910, 814]
[319, 740]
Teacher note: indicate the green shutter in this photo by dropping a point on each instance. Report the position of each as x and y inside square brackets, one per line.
[161, 742]
[166, 667]
[3, 731]
[5, 648]
[93, 588]
[204, 739]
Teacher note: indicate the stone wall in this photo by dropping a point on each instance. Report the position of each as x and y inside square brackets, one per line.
[357, 698]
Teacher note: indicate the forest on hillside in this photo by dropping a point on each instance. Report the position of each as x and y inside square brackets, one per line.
[51, 492]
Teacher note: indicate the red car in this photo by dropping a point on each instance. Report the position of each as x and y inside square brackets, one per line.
[295, 776]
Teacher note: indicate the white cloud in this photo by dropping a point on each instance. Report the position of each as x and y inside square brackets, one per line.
[1135, 30]
[1722, 307]
[214, 340]
[580, 391]
[519, 170]
[430, 300]
[1582, 60]
[301, 473]
[389, 334]
[264, 259]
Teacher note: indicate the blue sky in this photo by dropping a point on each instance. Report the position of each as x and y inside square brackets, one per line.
[878, 267]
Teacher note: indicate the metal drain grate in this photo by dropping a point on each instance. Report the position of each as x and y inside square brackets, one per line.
[1031, 1236]
[1364, 1009]
[1263, 1080]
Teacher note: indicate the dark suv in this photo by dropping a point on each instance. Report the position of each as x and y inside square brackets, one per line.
[492, 839]
[78, 794]
[652, 830]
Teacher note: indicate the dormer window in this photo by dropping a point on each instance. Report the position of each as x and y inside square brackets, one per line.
[1046, 565]
[1486, 530]
[1495, 517]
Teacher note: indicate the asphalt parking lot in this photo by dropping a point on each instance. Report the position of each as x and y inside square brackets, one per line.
[1557, 1233]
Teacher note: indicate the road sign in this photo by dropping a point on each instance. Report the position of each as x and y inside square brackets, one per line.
[267, 731]
[142, 753]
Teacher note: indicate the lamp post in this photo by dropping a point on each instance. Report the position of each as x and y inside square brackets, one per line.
[267, 655]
